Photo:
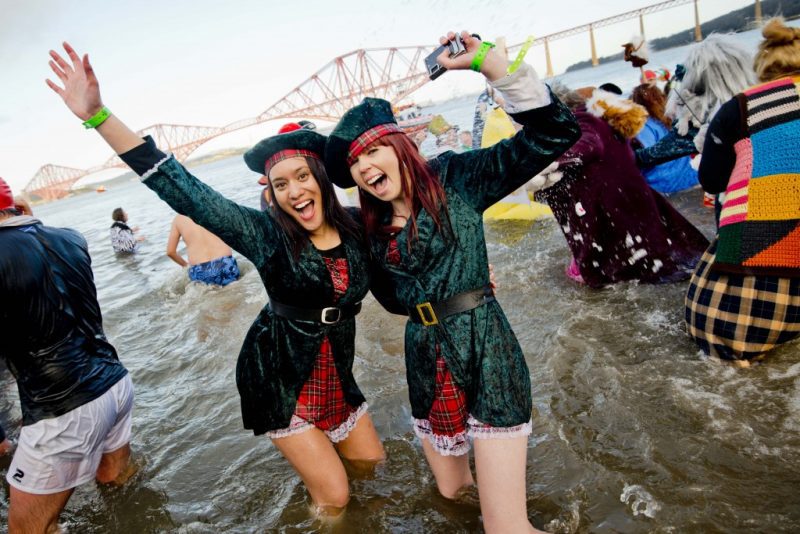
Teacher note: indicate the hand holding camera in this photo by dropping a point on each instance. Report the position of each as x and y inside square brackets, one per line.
[458, 52]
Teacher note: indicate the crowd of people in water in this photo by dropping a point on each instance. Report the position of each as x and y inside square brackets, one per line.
[602, 162]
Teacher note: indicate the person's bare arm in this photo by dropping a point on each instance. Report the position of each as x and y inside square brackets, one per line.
[81, 94]
[172, 245]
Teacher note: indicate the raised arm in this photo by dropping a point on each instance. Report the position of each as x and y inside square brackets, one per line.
[670, 147]
[172, 245]
[244, 229]
[482, 177]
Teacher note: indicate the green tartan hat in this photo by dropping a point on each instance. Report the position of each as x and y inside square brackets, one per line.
[369, 114]
[290, 144]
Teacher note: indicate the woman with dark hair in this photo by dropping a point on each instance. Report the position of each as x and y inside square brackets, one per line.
[123, 239]
[744, 297]
[671, 176]
[467, 376]
[294, 371]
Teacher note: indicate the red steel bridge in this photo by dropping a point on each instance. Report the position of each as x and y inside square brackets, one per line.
[388, 73]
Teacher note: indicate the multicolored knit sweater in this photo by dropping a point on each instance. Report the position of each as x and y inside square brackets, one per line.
[759, 227]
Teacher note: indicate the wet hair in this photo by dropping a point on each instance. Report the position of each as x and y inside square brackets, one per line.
[422, 190]
[9, 212]
[571, 99]
[779, 53]
[611, 88]
[332, 210]
[653, 100]
[118, 215]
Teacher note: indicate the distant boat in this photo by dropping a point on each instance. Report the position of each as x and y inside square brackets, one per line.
[410, 118]
[101, 189]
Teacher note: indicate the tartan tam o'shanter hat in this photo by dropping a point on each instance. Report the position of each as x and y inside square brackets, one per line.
[272, 150]
[358, 128]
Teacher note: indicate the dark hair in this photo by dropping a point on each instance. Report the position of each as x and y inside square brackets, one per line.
[118, 215]
[611, 88]
[332, 210]
[653, 100]
[422, 189]
[9, 212]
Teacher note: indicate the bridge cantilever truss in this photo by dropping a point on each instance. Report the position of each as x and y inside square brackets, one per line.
[388, 73]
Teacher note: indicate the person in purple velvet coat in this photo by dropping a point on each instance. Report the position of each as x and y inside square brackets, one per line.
[616, 226]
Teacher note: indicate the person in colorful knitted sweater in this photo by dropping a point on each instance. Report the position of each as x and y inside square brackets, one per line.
[744, 297]
[466, 373]
[295, 368]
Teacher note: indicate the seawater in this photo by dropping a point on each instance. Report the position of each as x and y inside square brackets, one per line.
[634, 429]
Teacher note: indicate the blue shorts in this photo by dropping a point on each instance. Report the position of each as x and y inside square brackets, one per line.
[220, 272]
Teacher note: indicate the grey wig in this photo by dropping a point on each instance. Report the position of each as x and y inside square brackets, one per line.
[717, 69]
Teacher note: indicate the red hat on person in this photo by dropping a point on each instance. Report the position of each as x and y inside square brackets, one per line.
[289, 127]
[6, 196]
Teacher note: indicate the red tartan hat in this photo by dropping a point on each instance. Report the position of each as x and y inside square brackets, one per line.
[370, 113]
[298, 140]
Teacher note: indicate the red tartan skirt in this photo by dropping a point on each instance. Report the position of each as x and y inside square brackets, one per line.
[321, 402]
[449, 423]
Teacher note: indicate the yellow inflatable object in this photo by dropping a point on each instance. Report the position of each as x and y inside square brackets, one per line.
[498, 126]
[516, 206]
[503, 211]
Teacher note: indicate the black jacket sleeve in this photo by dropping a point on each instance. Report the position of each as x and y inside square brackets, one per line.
[719, 156]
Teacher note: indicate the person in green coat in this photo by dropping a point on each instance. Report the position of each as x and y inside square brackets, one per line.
[466, 373]
[294, 371]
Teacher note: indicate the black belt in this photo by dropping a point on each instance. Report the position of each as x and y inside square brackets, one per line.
[330, 315]
[430, 313]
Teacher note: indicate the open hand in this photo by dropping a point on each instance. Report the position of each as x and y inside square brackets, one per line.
[81, 91]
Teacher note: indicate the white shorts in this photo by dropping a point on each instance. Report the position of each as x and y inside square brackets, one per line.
[61, 453]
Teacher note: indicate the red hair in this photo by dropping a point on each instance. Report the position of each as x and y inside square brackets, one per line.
[421, 189]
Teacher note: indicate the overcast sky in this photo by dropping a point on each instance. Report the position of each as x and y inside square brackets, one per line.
[209, 62]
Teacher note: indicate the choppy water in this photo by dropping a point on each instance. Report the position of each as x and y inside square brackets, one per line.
[634, 430]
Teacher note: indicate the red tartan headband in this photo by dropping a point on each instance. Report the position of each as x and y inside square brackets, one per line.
[369, 137]
[286, 154]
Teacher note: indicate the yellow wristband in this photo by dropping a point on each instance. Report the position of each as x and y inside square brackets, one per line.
[521, 55]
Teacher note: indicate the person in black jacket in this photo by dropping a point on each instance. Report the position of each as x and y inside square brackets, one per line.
[76, 396]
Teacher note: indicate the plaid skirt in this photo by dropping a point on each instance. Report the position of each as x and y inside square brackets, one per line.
[737, 317]
[449, 423]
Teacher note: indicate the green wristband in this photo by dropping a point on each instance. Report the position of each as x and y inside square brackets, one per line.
[98, 118]
[480, 55]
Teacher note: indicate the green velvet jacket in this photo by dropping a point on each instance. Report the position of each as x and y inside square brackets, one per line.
[479, 347]
[278, 354]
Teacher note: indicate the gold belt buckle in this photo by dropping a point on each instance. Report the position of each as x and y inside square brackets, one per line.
[431, 318]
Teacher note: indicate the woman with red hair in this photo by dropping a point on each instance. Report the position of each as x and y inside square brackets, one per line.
[466, 373]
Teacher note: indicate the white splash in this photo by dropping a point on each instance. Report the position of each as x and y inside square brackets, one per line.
[657, 265]
[637, 255]
[628, 240]
[640, 500]
[598, 247]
